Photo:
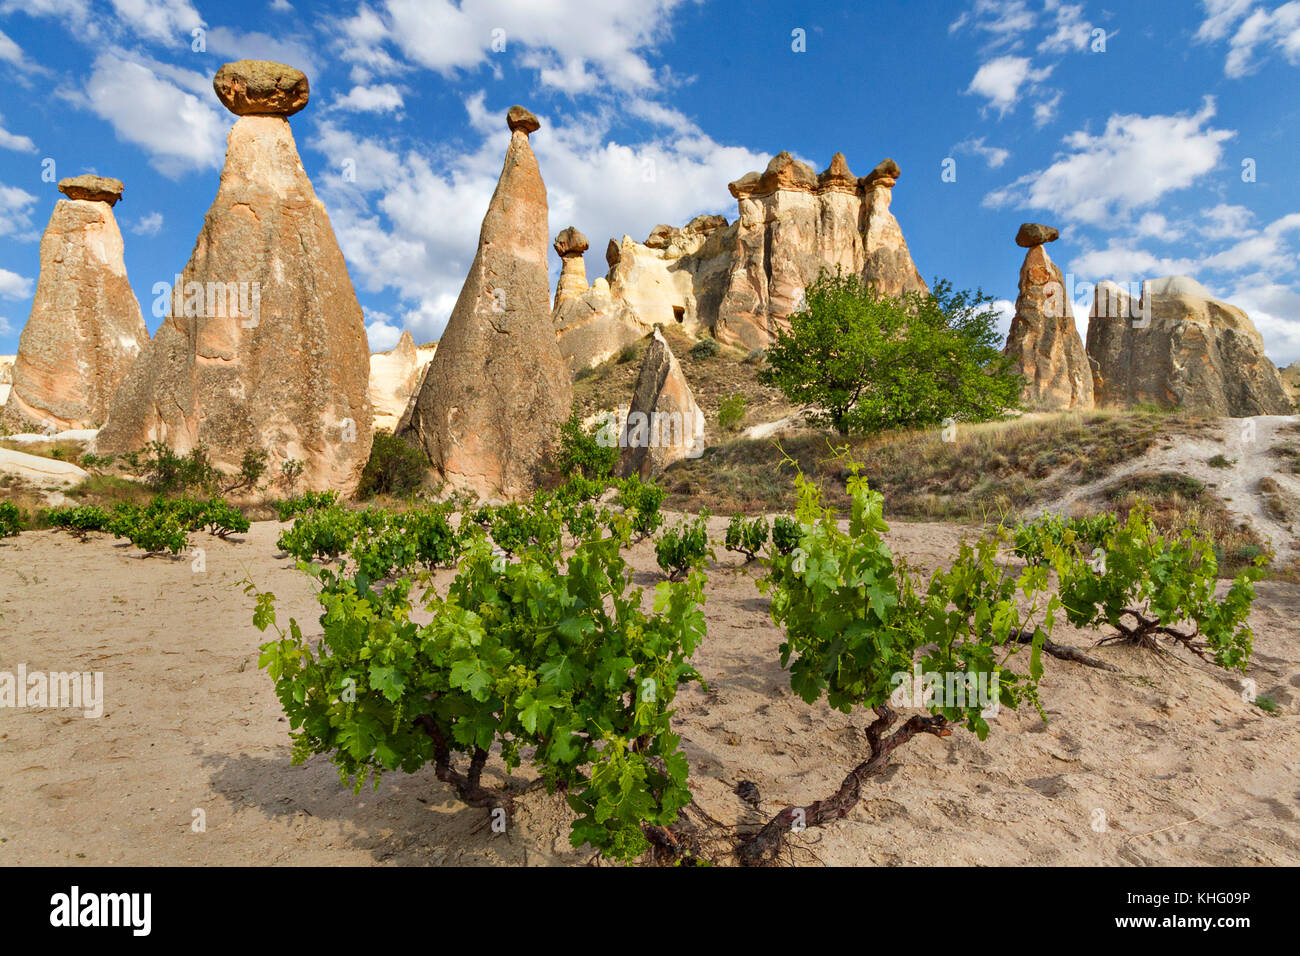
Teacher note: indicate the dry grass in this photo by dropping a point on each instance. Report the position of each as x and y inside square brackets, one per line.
[984, 473]
[59, 450]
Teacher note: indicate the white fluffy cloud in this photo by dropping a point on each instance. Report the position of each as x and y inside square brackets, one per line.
[1004, 80]
[994, 156]
[410, 221]
[1107, 177]
[380, 98]
[163, 20]
[158, 109]
[14, 286]
[569, 43]
[1251, 27]
[15, 141]
[1071, 33]
[149, 225]
[15, 211]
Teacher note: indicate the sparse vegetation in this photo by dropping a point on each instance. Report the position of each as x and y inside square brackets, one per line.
[1221, 461]
[987, 471]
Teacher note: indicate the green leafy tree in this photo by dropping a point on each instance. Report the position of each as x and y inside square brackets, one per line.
[869, 361]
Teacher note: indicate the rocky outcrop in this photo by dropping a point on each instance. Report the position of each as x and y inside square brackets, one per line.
[85, 328]
[265, 344]
[663, 424]
[394, 377]
[1044, 340]
[494, 396]
[1178, 346]
[740, 282]
[1290, 380]
[794, 224]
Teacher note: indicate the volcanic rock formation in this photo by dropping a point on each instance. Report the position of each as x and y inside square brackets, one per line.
[663, 423]
[85, 328]
[741, 281]
[1179, 346]
[265, 344]
[497, 390]
[1043, 339]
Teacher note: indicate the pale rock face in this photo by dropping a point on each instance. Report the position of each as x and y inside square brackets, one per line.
[394, 377]
[85, 328]
[497, 391]
[6, 376]
[663, 423]
[1045, 341]
[265, 346]
[741, 282]
[1178, 346]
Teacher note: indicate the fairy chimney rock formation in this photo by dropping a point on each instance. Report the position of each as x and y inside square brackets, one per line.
[85, 328]
[739, 282]
[1043, 339]
[264, 346]
[1178, 346]
[497, 391]
[569, 246]
[663, 423]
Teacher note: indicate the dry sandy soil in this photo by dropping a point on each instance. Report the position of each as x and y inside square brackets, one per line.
[1183, 770]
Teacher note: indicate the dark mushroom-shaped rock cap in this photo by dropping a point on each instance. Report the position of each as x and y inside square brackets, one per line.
[518, 118]
[1033, 234]
[261, 88]
[92, 188]
[570, 242]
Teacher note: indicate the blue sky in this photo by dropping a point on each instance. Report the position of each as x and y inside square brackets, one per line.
[1135, 131]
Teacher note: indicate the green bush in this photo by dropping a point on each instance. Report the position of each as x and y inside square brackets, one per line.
[11, 519]
[872, 362]
[546, 659]
[396, 467]
[731, 412]
[641, 501]
[684, 548]
[747, 537]
[785, 534]
[706, 349]
[583, 453]
[290, 508]
[80, 520]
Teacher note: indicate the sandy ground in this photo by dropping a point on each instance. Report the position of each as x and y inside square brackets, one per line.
[1162, 764]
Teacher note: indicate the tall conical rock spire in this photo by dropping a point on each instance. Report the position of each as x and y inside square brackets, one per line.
[265, 344]
[497, 390]
[85, 328]
[1044, 339]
